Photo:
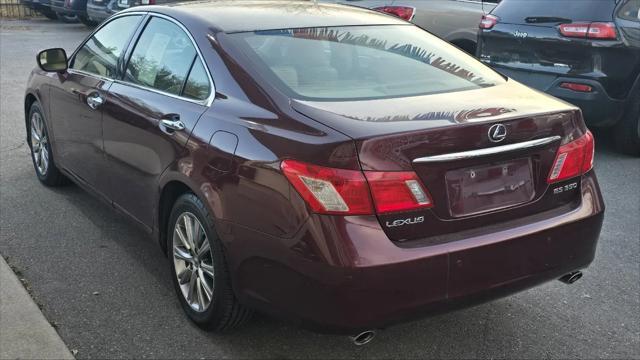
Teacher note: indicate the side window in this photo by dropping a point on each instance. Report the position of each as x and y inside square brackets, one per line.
[198, 85]
[162, 57]
[99, 55]
[630, 10]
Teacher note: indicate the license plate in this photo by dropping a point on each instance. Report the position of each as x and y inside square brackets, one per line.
[480, 189]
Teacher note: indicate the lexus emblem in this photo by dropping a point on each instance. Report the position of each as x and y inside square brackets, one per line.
[497, 133]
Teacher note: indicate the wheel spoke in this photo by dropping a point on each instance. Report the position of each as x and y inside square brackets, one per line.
[197, 235]
[205, 287]
[188, 228]
[182, 255]
[182, 237]
[35, 135]
[207, 269]
[205, 248]
[192, 288]
[200, 294]
[45, 159]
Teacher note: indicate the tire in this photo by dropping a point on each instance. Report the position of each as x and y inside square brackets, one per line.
[49, 14]
[68, 19]
[223, 312]
[40, 146]
[627, 131]
[87, 22]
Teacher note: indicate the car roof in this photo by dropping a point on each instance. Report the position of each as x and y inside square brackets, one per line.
[254, 15]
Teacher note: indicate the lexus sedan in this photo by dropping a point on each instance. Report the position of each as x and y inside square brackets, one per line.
[333, 166]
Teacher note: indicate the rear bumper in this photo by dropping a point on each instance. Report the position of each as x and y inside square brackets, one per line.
[342, 274]
[598, 108]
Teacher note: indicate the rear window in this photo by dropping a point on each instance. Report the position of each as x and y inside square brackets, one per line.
[362, 62]
[516, 11]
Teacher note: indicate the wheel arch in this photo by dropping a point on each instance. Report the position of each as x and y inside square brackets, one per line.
[169, 193]
[467, 45]
[29, 99]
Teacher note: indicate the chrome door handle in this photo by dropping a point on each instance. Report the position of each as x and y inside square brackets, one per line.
[172, 124]
[95, 100]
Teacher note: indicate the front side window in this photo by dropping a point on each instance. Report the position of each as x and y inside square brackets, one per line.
[99, 55]
[162, 57]
[362, 62]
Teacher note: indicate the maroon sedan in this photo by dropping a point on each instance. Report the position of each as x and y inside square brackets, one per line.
[330, 165]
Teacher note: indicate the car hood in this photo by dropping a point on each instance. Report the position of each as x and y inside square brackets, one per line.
[369, 118]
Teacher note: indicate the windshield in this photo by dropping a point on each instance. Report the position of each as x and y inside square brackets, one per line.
[362, 62]
[516, 11]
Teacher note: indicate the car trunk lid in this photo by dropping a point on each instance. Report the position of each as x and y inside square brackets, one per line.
[483, 155]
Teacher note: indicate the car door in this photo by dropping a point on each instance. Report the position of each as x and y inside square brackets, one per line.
[150, 113]
[78, 99]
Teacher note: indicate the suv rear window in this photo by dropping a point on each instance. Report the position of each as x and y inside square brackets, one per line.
[516, 11]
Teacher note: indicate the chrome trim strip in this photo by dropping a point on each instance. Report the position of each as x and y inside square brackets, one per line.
[207, 102]
[487, 151]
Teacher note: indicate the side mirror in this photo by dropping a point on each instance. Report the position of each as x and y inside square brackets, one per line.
[52, 60]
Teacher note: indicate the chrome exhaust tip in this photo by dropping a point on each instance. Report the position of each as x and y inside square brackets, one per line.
[571, 277]
[363, 338]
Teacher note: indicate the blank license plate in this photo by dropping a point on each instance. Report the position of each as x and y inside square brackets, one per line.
[480, 189]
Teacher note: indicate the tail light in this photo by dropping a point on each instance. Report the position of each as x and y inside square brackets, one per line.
[488, 21]
[348, 192]
[403, 12]
[595, 30]
[573, 159]
[397, 191]
[576, 87]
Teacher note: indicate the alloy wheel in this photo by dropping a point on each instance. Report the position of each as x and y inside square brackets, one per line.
[193, 262]
[39, 144]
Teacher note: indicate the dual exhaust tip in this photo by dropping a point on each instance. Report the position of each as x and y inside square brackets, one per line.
[363, 338]
[571, 277]
[367, 336]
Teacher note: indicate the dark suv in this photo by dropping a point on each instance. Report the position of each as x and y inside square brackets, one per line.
[586, 52]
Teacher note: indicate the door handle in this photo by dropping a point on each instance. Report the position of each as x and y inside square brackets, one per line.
[95, 100]
[173, 123]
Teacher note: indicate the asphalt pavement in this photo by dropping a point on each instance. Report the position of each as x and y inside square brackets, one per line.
[106, 288]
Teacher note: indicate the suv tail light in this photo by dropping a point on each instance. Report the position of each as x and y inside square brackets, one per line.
[595, 30]
[573, 159]
[403, 12]
[348, 192]
[488, 21]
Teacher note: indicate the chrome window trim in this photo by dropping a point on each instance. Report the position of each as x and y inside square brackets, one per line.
[212, 88]
[73, 55]
[212, 91]
[487, 151]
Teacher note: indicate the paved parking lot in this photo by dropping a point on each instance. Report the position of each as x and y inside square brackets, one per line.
[106, 287]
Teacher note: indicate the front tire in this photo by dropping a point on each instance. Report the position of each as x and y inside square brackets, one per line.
[199, 270]
[627, 131]
[40, 145]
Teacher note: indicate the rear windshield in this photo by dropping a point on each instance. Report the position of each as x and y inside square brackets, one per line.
[516, 11]
[362, 62]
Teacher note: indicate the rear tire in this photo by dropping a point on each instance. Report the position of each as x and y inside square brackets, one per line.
[198, 256]
[68, 19]
[627, 131]
[40, 145]
[87, 22]
[49, 14]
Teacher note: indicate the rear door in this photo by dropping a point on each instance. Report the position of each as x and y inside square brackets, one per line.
[526, 43]
[77, 102]
[151, 112]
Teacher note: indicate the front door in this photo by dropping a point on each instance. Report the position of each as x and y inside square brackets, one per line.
[77, 102]
[150, 114]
